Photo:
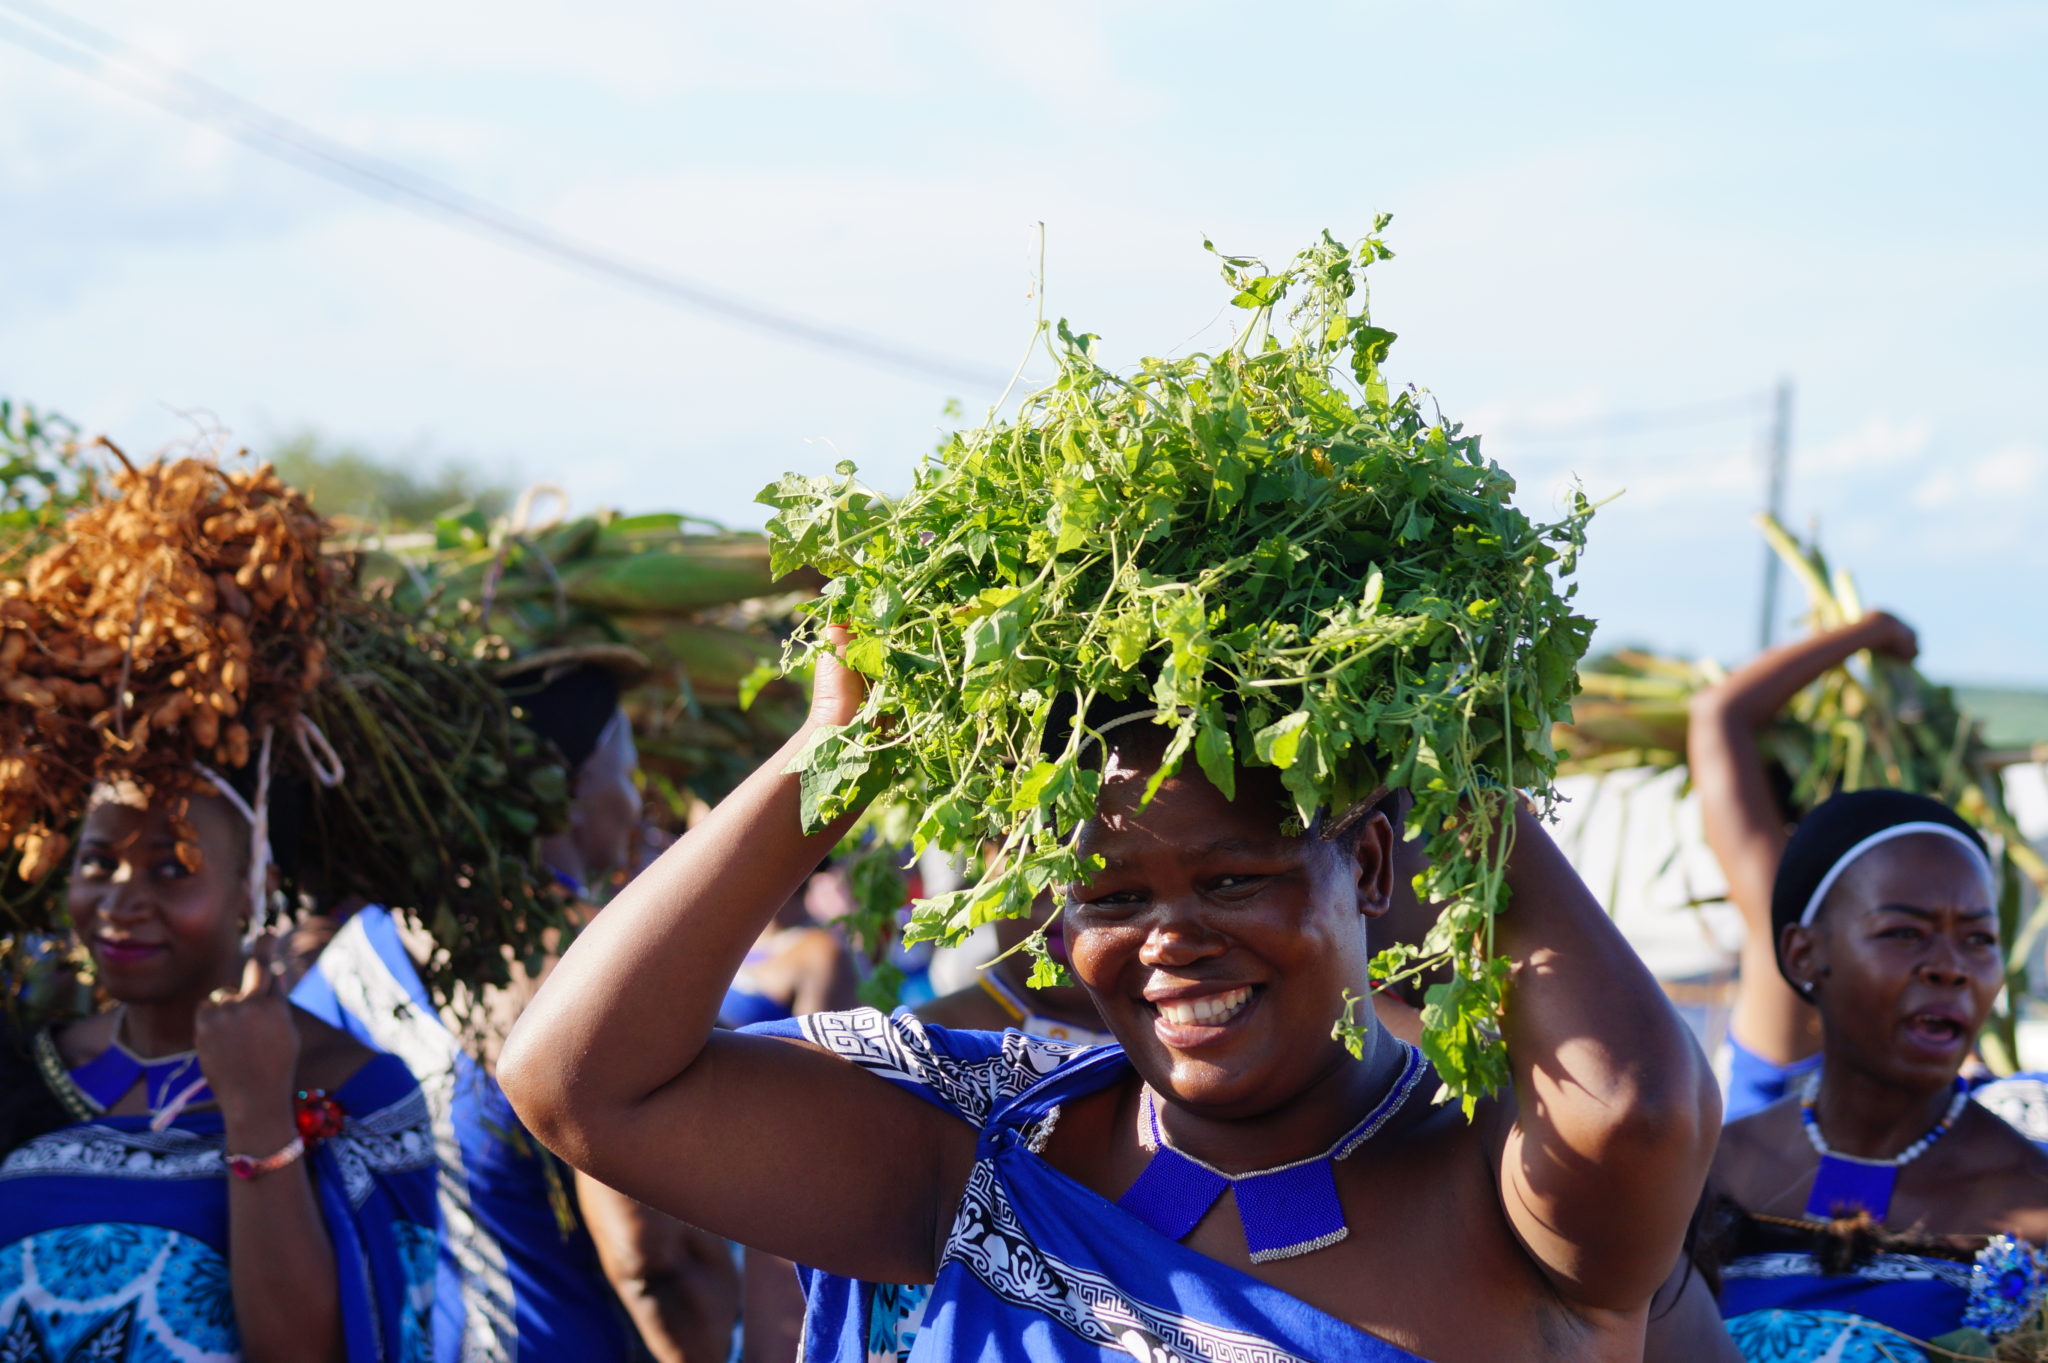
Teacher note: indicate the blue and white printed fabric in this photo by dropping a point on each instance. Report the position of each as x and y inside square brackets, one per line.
[1038, 1267]
[114, 1238]
[2022, 1100]
[1781, 1308]
[512, 1285]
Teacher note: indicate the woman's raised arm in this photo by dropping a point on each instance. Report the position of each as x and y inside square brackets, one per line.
[616, 1064]
[1616, 1113]
[1744, 825]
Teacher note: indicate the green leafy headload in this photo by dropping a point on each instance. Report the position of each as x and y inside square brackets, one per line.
[1296, 567]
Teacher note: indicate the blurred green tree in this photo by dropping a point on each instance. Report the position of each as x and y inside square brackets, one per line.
[344, 480]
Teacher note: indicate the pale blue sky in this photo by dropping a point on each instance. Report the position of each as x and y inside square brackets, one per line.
[1599, 209]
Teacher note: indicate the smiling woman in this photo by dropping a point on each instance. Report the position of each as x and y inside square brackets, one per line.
[1229, 1177]
[1884, 906]
[218, 1210]
[231, 1178]
[1168, 640]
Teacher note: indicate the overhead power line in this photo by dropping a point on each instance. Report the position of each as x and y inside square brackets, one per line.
[71, 42]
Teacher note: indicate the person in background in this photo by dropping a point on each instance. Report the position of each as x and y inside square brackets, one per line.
[1850, 1213]
[1773, 1033]
[521, 1275]
[188, 1205]
[1002, 996]
[795, 967]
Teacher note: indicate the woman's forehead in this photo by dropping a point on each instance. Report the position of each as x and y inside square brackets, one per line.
[123, 805]
[1920, 871]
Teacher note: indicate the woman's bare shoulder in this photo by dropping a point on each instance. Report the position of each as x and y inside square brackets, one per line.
[1758, 1148]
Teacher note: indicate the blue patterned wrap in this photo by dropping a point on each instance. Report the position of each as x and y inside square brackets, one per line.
[512, 1285]
[1038, 1267]
[1781, 1308]
[114, 1238]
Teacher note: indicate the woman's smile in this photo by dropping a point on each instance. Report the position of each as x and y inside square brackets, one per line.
[1189, 1018]
[114, 950]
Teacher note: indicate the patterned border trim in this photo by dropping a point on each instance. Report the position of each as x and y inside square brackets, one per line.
[1885, 1268]
[103, 1152]
[990, 1242]
[898, 1048]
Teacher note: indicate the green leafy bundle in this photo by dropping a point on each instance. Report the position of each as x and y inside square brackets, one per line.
[1296, 567]
[1879, 724]
[693, 604]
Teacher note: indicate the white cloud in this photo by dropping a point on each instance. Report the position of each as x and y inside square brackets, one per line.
[1879, 443]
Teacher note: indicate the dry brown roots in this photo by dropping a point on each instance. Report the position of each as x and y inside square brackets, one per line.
[181, 614]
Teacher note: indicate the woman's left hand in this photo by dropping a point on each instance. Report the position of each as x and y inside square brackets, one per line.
[248, 1046]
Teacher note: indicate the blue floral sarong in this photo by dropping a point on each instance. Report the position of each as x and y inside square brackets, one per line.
[114, 1238]
[1038, 1267]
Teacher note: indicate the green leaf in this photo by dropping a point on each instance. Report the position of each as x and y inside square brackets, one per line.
[1215, 752]
[1032, 790]
[1262, 292]
[867, 655]
[757, 677]
[1279, 743]
[1128, 638]
[1169, 763]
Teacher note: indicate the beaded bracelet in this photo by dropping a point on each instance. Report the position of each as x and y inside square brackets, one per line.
[256, 1166]
[316, 1114]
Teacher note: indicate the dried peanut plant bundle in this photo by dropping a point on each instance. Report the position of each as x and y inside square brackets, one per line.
[181, 612]
[186, 609]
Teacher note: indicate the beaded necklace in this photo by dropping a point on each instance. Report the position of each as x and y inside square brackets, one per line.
[1286, 1210]
[1851, 1181]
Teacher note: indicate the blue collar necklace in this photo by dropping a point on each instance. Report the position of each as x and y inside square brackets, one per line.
[1287, 1210]
[108, 1076]
[1845, 1183]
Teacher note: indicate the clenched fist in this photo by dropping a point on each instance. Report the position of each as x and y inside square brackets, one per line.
[248, 1045]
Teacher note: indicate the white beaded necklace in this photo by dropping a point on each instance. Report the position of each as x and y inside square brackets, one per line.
[1844, 1183]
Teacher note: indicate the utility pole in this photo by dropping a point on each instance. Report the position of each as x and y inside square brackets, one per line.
[1776, 456]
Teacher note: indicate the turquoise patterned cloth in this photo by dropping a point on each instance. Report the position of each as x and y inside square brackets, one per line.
[1781, 1308]
[114, 1238]
[1818, 1337]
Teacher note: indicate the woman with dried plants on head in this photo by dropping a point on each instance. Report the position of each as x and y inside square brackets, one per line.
[233, 1178]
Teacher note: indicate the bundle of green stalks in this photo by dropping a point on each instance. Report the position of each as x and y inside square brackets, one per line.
[692, 604]
[1879, 723]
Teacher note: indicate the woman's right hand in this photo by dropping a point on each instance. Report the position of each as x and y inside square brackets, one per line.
[248, 1045]
[1891, 636]
[836, 690]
